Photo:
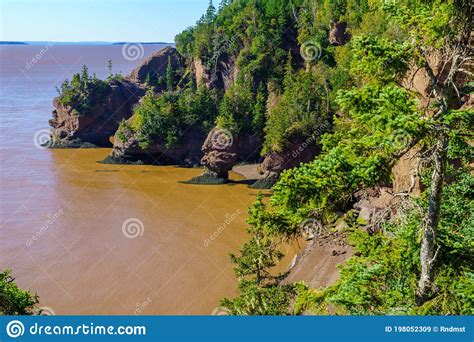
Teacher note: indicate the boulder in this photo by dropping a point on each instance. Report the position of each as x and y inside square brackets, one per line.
[374, 205]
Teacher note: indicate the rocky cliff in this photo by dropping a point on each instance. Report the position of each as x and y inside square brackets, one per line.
[96, 125]
[155, 65]
[186, 152]
[275, 163]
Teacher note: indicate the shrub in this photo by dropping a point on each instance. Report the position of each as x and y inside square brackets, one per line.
[13, 300]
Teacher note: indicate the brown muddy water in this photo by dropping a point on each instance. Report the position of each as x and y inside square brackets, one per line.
[104, 239]
[107, 239]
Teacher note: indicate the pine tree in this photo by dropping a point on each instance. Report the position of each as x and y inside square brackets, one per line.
[289, 72]
[260, 293]
[84, 77]
[210, 13]
[192, 83]
[258, 120]
[148, 80]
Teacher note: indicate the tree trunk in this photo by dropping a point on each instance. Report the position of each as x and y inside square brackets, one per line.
[428, 243]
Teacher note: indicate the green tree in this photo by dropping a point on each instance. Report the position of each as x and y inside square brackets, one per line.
[85, 79]
[259, 109]
[447, 36]
[260, 293]
[83, 91]
[13, 300]
[148, 80]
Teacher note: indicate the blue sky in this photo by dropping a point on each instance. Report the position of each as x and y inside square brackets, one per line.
[97, 20]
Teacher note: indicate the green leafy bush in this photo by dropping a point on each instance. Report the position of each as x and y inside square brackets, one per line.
[13, 300]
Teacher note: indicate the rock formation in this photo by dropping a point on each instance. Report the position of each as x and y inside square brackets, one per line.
[374, 205]
[275, 163]
[155, 65]
[96, 126]
[185, 152]
[221, 152]
[405, 173]
[222, 76]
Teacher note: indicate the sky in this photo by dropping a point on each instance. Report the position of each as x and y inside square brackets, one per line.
[97, 20]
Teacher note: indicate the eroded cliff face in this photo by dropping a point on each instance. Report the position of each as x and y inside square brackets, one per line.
[298, 150]
[218, 151]
[155, 65]
[186, 152]
[96, 126]
[274, 164]
[405, 175]
[221, 76]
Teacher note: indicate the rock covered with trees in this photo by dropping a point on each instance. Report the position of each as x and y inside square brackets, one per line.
[88, 110]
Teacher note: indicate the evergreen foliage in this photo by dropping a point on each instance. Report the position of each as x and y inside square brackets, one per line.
[377, 120]
[168, 116]
[78, 93]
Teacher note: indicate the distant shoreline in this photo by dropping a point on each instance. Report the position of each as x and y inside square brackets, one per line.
[13, 43]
